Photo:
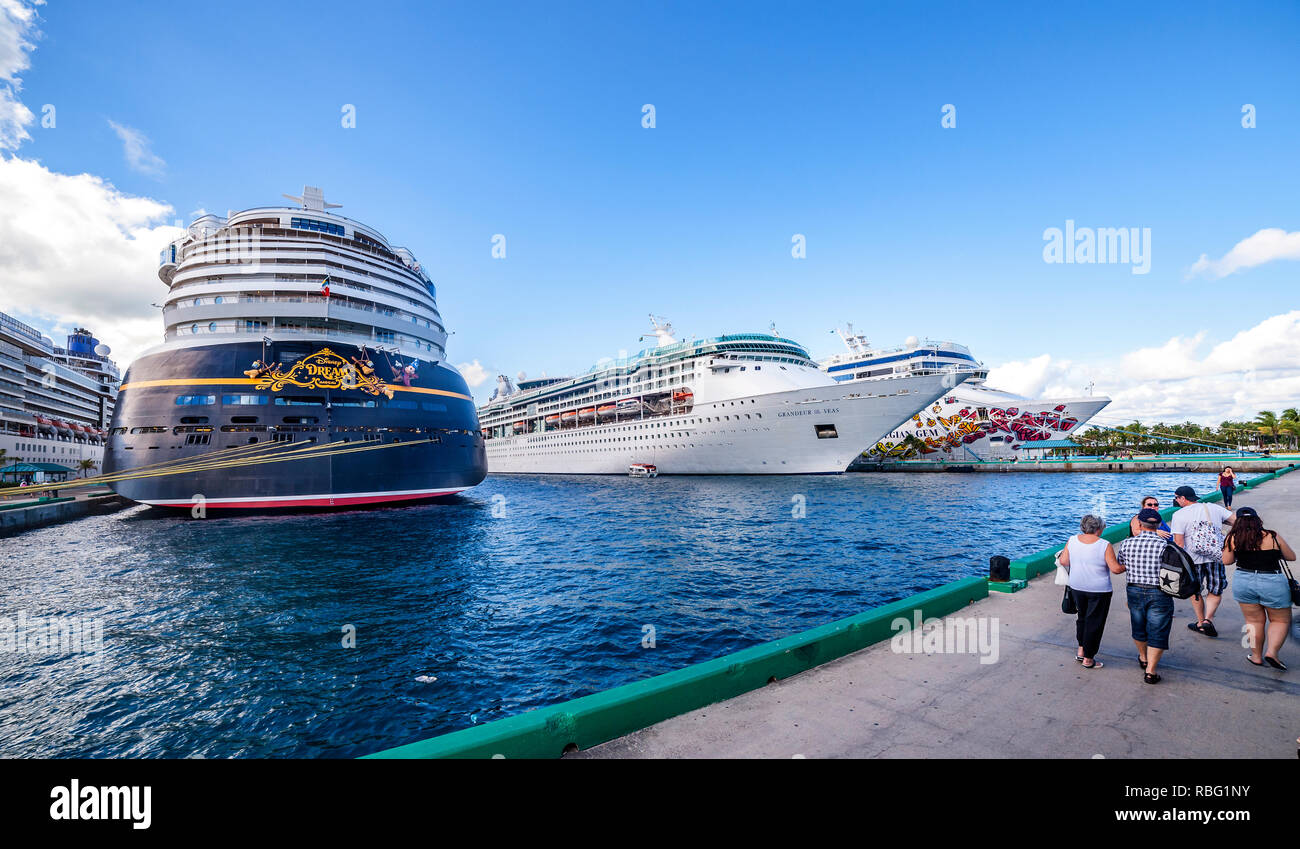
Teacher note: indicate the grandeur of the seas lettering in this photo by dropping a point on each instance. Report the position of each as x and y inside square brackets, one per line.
[827, 411]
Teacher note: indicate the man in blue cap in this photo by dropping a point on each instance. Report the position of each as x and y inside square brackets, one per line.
[1150, 609]
[1198, 529]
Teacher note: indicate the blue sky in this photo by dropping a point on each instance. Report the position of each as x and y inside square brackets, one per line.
[771, 120]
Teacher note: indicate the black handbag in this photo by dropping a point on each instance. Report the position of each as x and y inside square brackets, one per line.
[1067, 603]
[1290, 579]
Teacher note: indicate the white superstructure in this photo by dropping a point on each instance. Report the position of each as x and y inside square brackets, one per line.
[972, 421]
[260, 273]
[55, 402]
[738, 404]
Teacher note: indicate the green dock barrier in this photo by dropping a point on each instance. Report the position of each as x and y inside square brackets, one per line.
[601, 717]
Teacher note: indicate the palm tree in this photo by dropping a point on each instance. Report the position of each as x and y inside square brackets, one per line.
[1292, 428]
[1267, 423]
[85, 466]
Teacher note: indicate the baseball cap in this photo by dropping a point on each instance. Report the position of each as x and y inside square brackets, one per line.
[1149, 516]
[1186, 492]
[1247, 511]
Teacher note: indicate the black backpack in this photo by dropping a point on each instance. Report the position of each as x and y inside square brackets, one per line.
[1178, 573]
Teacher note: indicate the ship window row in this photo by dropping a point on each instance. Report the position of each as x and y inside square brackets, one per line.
[344, 267]
[200, 270]
[276, 255]
[307, 400]
[378, 337]
[312, 298]
[318, 226]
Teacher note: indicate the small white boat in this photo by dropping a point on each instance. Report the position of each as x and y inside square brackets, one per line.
[643, 470]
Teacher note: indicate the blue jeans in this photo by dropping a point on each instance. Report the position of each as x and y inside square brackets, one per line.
[1151, 614]
[1227, 495]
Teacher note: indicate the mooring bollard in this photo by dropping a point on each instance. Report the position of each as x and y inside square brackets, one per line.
[999, 568]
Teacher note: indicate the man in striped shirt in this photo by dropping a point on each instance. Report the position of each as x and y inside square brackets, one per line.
[1150, 611]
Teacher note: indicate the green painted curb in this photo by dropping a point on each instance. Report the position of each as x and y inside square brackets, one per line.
[608, 715]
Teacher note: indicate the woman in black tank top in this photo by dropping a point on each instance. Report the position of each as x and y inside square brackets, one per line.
[1260, 586]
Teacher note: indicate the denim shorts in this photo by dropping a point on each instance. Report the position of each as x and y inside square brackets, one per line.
[1151, 613]
[1269, 589]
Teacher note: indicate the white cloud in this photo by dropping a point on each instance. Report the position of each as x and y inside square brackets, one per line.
[17, 31]
[474, 373]
[1267, 245]
[75, 250]
[135, 146]
[1257, 369]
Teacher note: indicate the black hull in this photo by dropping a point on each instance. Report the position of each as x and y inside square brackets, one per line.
[300, 447]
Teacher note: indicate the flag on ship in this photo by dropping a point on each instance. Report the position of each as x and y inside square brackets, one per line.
[325, 287]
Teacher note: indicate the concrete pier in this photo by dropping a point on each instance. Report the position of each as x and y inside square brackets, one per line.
[18, 516]
[1035, 701]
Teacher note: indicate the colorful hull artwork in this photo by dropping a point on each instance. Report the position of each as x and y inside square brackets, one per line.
[961, 428]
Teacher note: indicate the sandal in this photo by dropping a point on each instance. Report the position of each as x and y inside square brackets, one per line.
[1142, 662]
[1151, 677]
[1208, 629]
[1096, 664]
[1079, 658]
[1253, 661]
[1275, 663]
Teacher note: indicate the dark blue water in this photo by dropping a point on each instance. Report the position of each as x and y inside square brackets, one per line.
[223, 637]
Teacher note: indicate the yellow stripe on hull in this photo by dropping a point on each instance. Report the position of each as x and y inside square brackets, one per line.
[248, 381]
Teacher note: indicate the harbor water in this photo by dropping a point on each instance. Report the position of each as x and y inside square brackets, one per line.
[340, 634]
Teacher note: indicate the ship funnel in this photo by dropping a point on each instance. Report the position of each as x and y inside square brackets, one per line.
[661, 330]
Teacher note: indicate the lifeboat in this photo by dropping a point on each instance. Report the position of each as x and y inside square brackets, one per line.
[568, 416]
[606, 410]
[587, 413]
[62, 427]
[629, 405]
[684, 396]
[553, 420]
[519, 427]
[643, 470]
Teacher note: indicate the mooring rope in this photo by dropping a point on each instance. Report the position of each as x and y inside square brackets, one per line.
[205, 463]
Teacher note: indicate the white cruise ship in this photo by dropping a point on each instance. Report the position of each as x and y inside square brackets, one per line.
[970, 422]
[55, 402]
[739, 404]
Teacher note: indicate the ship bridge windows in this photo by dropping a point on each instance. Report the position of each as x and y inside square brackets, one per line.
[353, 403]
[195, 400]
[245, 400]
[318, 226]
[299, 401]
[149, 429]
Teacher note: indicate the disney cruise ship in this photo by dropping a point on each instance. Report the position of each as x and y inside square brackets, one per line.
[740, 404]
[972, 421]
[302, 366]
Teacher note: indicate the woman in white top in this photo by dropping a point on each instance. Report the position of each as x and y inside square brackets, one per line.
[1091, 561]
